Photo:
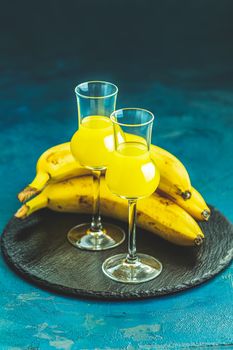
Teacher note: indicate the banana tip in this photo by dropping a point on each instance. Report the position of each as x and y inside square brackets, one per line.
[186, 195]
[206, 214]
[198, 240]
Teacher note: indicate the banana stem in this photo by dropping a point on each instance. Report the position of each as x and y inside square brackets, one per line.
[132, 211]
[38, 202]
[22, 212]
[40, 180]
[34, 187]
[27, 193]
[96, 224]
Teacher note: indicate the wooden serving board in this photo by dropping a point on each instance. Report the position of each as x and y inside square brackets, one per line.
[37, 248]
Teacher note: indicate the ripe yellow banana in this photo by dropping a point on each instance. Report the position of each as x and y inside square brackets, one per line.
[196, 206]
[155, 213]
[174, 178]
[57, 163]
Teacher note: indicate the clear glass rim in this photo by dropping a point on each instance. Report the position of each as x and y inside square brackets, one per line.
[112, 117]
[96, 81]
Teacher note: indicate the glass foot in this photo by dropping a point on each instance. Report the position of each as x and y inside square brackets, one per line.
[82, 237]
[145, 268]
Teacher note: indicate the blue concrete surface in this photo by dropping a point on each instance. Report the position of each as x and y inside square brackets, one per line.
[172, 57]
[195, 122]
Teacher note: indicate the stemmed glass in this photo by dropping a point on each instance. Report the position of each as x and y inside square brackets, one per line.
[132, 175]
[92, 146]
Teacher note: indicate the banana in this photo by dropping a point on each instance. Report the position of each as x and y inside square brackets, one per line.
[174, 178]
[196, 206]
[156, 214]
[57, 163]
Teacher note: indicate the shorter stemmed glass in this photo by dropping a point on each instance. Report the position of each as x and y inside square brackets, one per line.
[132, 175]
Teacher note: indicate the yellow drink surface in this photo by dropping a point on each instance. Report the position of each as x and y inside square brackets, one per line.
[93, 143]
[131, 172]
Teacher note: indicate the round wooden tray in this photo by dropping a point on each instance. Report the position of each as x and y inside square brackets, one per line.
[38, 249]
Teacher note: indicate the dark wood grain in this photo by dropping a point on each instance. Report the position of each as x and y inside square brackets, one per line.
[37, 248]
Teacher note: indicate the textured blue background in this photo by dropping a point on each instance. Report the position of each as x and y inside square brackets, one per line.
[175, 60]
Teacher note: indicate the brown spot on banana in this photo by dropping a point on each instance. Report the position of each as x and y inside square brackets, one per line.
[151, 223]
[165, 202]
[54, 159]
[84, 200]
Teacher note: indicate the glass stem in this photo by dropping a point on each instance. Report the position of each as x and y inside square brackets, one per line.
[96, 224]
[131, 256]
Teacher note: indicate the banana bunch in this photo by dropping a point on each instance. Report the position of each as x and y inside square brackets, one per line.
[57, 163]
[156, 214]
[62, 184]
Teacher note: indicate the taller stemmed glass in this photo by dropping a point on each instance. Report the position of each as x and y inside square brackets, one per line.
[132, 175]
[92, 146]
